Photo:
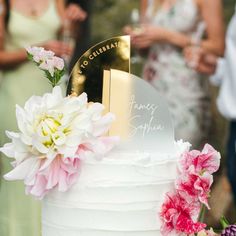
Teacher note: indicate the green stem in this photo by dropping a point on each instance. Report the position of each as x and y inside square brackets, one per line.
[202, 213]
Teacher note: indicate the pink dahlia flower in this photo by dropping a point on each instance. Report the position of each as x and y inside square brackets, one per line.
[56, 133]
[61, 173]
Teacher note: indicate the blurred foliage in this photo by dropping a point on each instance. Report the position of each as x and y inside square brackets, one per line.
[109, 17]
[228, 9]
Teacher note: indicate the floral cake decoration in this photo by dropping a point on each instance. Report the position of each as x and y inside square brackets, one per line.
[56, 133]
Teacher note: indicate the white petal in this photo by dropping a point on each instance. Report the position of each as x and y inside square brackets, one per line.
[21, 118]
[8, 150]
[12, 135]
[59, 138]
[102, 126]
[67, 151]
[29, 180]
[40, 147]
[22, 170]
[74, 140]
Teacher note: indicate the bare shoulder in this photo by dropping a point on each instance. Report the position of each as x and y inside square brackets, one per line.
[209, 3]
[2, 8]
[60, 6]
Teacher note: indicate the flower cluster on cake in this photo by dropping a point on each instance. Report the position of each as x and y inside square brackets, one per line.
[182, 207]
[57, 133]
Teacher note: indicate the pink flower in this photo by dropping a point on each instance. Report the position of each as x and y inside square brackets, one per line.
[99, 147]
[178, 215]
[46, 60]
[48, 65]
[61, 173]
[52, 64]
[39, 54]
[186, 225]
[56, 133]
[198, 162]
[196, 187]
[58, 63]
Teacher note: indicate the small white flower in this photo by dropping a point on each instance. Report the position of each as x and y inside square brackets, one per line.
[39, 54]
[48, 65]
[58, 63]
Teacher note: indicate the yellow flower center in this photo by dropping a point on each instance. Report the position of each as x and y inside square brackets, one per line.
[49, 128]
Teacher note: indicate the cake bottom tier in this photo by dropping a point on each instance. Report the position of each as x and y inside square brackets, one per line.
[68, 221]
[118, 196]
[53, 231]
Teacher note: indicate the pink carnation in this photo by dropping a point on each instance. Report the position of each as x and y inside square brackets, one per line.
[198, 162]
[196, 187]
[178, 215]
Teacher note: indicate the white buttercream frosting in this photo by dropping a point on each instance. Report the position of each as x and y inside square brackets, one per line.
[117, 196]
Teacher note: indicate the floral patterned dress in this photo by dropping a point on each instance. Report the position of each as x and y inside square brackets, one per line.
[166, 69]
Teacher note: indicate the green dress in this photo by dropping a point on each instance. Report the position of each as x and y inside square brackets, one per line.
[20, 214]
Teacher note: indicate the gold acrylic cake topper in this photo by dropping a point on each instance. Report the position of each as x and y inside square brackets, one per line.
[142, 118]
[87, 74]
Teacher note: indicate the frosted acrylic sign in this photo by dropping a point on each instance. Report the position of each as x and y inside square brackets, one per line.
[142, 117]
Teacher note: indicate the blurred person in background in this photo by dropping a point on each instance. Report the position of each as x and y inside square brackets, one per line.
[167, 27]
[24, 23]
[224, 70]
[82, 31]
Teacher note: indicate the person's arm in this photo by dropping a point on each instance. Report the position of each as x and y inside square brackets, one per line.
[212, 14]
[205, 62]
[8, 59]
[73, 12]
[211, 11]
[60, 4]
[143, 8]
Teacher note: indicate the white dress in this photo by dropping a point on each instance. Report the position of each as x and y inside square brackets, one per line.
[166, 69]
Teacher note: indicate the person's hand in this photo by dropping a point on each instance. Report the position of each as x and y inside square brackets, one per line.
[75, 13]
[204, 62]
[147, 36]
[58, 47]
[127, 30]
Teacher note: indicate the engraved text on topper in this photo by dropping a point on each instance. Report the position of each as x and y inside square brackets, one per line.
[96, 53]
[143, 118]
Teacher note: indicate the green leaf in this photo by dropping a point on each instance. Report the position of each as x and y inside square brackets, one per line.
[224, 222]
